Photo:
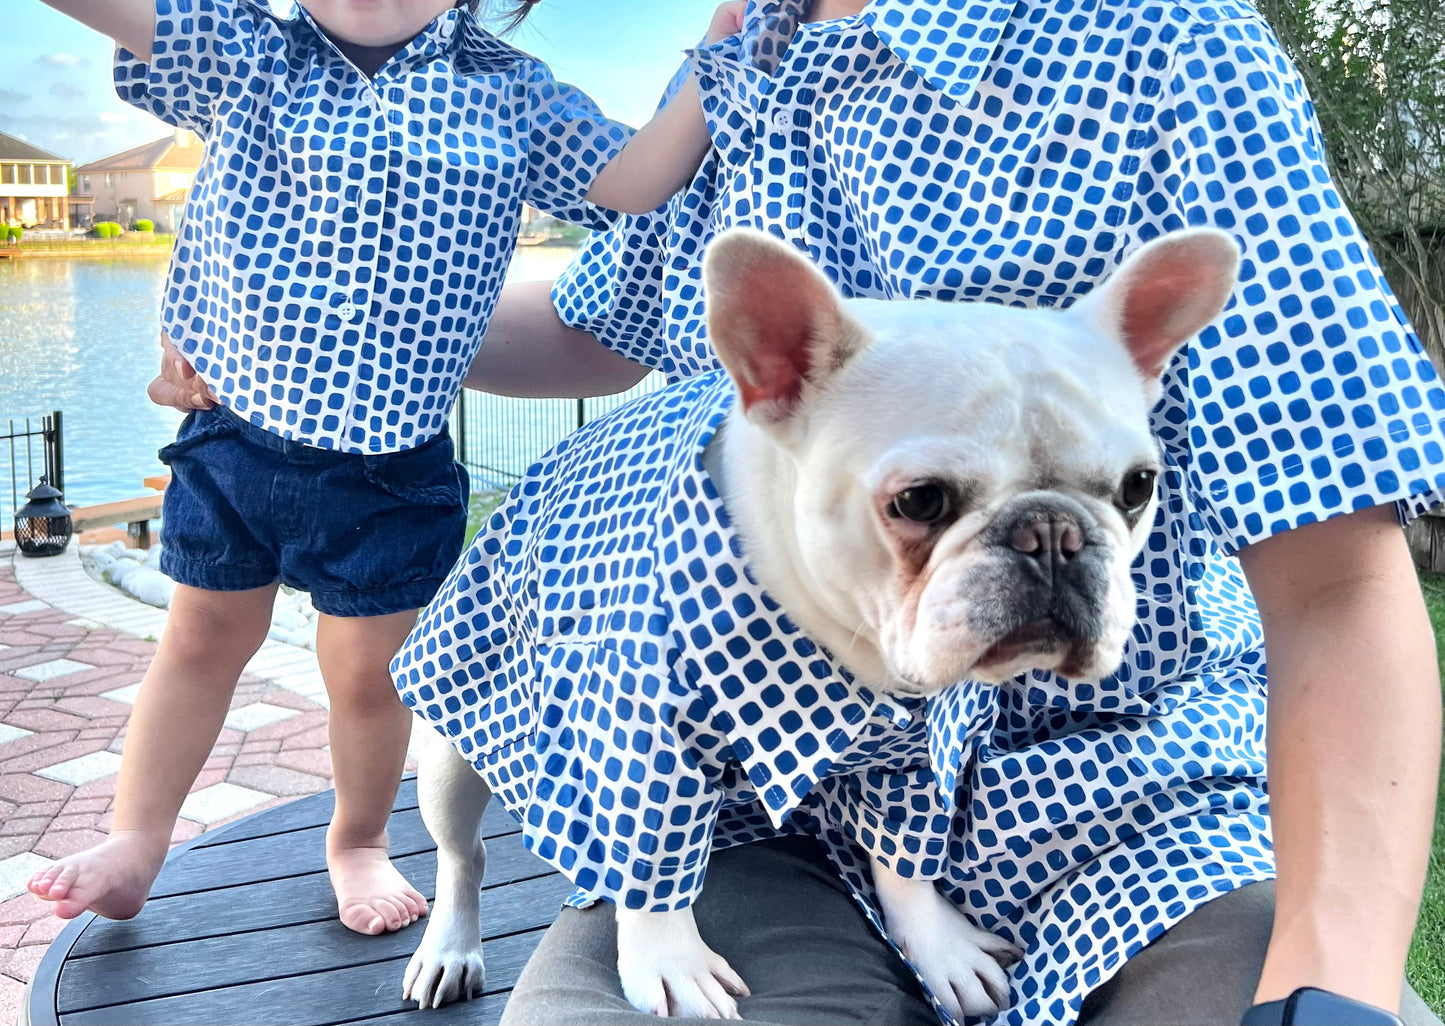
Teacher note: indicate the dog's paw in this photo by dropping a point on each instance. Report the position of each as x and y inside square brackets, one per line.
[667, 970]
[444, 969]
[962, 964]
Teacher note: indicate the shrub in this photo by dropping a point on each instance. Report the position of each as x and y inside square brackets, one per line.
[106, 230]
[15, 233]
[144, 225]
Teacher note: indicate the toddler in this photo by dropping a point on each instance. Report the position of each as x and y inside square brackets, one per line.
[365, 171]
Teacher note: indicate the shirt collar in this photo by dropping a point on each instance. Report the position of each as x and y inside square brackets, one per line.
[837, 709]
[947, 42]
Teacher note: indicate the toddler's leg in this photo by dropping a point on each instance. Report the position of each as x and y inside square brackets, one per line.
[369, 731]
[183, 700]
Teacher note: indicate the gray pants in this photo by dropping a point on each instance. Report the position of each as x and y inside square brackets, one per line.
[778, 913]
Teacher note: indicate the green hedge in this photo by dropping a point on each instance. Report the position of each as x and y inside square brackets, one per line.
[106, 230]
[144, 225]
[15, 233]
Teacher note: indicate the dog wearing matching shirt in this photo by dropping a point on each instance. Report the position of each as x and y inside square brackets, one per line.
[937, 494]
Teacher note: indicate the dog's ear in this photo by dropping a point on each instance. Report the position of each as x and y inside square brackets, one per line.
[775, 322]
[1163, 295]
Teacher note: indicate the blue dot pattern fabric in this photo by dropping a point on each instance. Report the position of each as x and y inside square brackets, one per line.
[623, 682]
[1009, 151]
[346, 237]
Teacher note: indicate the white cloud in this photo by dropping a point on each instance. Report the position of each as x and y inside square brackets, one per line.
[111, 117]
[62, 60]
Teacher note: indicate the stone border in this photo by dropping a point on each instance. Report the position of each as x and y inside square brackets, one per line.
[61, 581]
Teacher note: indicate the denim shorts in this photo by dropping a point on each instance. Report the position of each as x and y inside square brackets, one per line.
[366, 535]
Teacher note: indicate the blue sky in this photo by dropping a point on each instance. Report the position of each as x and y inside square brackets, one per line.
[55, 77]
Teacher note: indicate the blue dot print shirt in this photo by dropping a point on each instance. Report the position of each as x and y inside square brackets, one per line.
[346, 237]
[601, 654]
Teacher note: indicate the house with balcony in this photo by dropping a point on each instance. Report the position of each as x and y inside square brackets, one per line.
[32, 186]
[148, 182]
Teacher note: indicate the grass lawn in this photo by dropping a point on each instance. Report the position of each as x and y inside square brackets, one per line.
[1426, 968]
[481, 506]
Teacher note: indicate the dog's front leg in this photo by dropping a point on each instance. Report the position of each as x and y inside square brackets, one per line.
[961, 963]
[447, 965]
[666, 968]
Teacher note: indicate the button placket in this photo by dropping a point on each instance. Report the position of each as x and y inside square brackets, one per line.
[783, 162]
[389, 143]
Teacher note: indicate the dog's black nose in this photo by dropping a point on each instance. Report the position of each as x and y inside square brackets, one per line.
[1046, 539]
[1056, 537]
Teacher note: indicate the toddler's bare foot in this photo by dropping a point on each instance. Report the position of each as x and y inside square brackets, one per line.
[371, 894]
[113, 879]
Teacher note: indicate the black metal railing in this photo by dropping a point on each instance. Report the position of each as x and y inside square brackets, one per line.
[36, 450]
[497, 437]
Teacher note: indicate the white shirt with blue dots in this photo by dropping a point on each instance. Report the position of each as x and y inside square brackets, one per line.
[346, 237]
[1008, 151]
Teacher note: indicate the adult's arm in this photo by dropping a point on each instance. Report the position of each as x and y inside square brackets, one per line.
[1354, 751]
[529, 352]
[131, 23]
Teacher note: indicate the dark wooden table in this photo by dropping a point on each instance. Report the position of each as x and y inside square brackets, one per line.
[241, 928]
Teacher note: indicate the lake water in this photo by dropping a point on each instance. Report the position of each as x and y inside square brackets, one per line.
[80, 335]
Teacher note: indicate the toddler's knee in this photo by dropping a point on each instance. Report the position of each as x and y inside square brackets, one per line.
[218, 626]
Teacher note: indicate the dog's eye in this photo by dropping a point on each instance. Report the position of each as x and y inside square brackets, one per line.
[923, 504]
[1135, 490]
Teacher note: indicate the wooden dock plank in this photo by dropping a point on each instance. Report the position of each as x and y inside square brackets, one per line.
[238, 959]
[243, 928]
[276, 856]
[482, 1010]
[362, 993]
[298, 815]
[286, 902]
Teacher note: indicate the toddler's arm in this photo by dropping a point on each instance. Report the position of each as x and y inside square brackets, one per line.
[666, 152]
[131, 23]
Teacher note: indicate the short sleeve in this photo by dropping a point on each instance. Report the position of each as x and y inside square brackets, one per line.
[570, 141]
[613, 289]
[204, 54]
[1310, 396]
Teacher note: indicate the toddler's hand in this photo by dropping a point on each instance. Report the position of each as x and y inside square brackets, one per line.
[178, 385]
[727, 20]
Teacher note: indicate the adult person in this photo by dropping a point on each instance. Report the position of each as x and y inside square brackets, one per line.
[1014, 151]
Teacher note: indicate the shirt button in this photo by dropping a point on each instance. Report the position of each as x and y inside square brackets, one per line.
[347, 311]
[782, 120]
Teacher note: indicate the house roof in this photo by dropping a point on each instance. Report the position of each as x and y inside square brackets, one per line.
[179, 196]
[12, 148]
[162, 155]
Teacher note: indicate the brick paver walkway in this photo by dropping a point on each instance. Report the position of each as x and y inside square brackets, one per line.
[65, 691]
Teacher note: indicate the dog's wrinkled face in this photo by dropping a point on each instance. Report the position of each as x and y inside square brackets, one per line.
[953, 490]
[975, 484]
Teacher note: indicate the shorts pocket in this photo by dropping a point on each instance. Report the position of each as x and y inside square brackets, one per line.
[424, 476]
[199, 426]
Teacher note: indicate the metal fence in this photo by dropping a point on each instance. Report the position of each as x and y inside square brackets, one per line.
[37, 448]
[497, 437]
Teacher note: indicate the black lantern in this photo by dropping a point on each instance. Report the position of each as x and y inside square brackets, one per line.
[42, 525]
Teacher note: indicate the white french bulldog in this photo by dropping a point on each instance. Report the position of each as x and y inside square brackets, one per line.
[935, 493]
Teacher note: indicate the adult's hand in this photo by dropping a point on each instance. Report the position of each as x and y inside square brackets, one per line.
[178, 385]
